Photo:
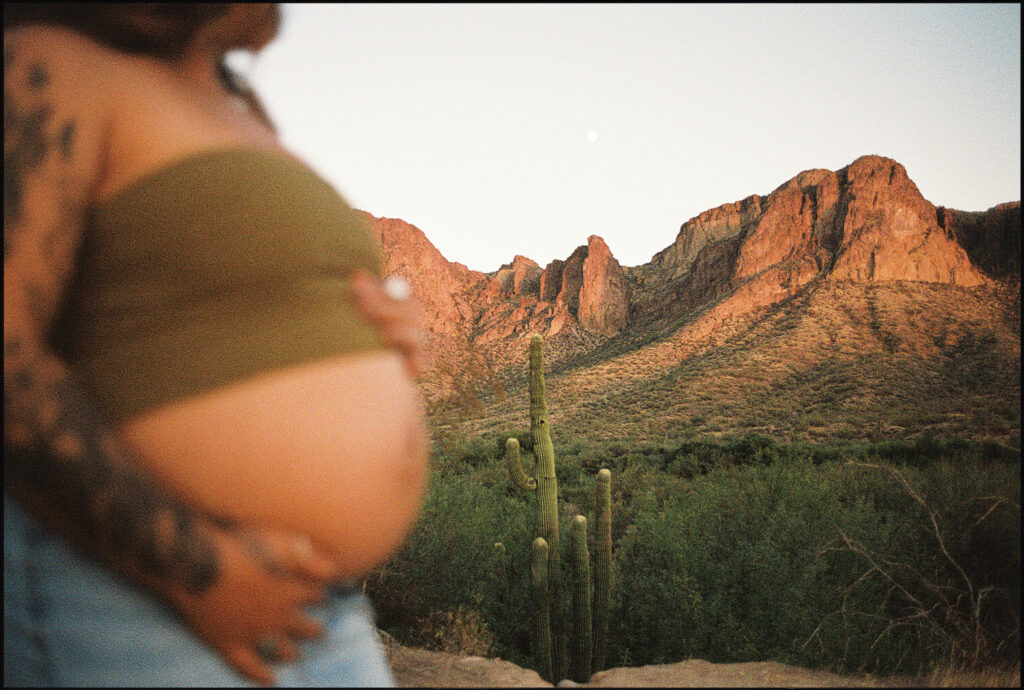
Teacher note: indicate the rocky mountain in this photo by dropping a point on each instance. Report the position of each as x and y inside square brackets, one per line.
[587, 291]
[865, 228]
[866, 222]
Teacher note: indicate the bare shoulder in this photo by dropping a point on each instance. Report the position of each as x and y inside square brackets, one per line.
[71, 64]
[57, 102]
[59, 93]
[79, 68]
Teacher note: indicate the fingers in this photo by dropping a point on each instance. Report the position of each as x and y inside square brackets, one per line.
[256, 615]
[415, 362]
[291, 555]
[316, 567]
[370, 297]
[246, 661]
[304, 559]
[286, 651]
[303, 627]
[409, 341]
[399, 320]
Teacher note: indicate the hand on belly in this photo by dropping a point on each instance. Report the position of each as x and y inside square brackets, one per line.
[333, 449]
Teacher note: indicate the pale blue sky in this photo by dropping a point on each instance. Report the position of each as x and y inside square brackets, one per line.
[522, 129]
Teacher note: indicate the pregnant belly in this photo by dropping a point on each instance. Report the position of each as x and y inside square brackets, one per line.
[335, 449]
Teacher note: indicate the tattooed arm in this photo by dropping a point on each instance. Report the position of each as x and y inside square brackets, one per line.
[62, 462]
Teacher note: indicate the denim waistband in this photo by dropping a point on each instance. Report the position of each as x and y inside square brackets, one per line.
[67, 621]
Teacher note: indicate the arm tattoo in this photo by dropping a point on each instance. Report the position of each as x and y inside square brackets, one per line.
[60, 451]
[57, 448]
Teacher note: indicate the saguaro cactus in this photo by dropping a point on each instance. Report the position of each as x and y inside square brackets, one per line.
[499, 561]
[582, 649]
[602, 565]
[547, 500]
[501, 577]
[590, 609]
[541, 628]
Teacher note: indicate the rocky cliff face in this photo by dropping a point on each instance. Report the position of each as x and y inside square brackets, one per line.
[604, 294]
[991, 238]
[585, 293]
[864, 223]
[725, 223]
[591, 286]
[451, 293]
[521, 277]
[889, 231]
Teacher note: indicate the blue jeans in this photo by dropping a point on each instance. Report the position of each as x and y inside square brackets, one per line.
[69, 622]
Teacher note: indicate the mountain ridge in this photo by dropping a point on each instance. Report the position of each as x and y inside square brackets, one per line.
[865, 226]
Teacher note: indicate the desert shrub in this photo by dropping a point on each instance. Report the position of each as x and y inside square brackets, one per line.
[741, 549]
[449, 559]
[951, 577]
[723, 563]
[756, 563]
[568, 473]
[477, 452]
[686, 466]
[462, 631]
[524, 437]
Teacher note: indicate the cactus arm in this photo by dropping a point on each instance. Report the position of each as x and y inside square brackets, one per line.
[499, 558]
[501, 574]
[541, 618]
[581, 594]
[602, 565]
[515, 467]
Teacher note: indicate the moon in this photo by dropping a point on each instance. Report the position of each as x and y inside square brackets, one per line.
[591, 136]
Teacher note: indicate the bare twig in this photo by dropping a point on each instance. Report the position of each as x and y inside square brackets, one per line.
[998, 500]
[813, 635]
[857, 548]
[931, 515]
[957, 625]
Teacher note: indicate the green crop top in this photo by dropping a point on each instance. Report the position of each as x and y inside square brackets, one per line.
[218, 267]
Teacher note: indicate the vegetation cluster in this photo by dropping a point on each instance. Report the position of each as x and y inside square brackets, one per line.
[893, 557]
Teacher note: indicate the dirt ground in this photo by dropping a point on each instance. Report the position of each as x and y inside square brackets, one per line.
[424, 668]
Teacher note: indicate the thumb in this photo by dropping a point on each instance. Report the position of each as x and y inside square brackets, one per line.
[314, 563]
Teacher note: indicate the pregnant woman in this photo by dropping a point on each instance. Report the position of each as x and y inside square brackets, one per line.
[194, 396]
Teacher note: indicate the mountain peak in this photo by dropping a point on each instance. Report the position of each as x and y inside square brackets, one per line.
[866, 221]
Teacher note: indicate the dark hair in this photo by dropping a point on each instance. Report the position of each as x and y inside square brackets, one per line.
[160, 29]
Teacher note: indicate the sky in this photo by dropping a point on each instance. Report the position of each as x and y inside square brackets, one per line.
[523, 129]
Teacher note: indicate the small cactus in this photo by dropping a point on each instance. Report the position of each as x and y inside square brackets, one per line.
[541, 636]
[602, 565]
[501, 573]
[582, 651]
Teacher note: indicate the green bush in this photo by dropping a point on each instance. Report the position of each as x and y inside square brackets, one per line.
[448, 562]
[776, 562]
